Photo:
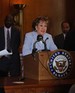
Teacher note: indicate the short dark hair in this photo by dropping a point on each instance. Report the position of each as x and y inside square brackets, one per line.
[65, 21]
[37, 21]
[8, 22]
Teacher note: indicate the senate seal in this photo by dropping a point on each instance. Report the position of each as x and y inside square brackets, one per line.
[60, 63]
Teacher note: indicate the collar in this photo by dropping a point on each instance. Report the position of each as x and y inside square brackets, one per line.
[7, 28]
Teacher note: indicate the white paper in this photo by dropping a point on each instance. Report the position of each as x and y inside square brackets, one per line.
[18, 82]
[5, 52]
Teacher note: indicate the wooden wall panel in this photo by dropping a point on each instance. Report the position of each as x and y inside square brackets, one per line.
[4, 10]
[54, 9]
[70, 11]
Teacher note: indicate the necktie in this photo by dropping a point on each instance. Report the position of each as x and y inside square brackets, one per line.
[8, 41]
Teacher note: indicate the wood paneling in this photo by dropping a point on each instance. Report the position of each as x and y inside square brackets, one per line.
[34, 86]
[4, 10]
[54, 9]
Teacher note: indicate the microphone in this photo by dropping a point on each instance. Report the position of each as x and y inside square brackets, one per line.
[45, 43]
[46, 39]
[34, 51]
[39, 38]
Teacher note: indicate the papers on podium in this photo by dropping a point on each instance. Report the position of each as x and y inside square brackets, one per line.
[5, 52]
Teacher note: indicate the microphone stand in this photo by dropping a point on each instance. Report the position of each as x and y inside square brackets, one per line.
[45, 47]
[39, 38]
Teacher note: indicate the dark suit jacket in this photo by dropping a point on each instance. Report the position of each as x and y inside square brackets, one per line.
[69, 43]
[14, 65]
[59, 41]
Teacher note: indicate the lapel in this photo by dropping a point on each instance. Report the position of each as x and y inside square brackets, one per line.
[12, 35]
[3, 35]
[2, 38]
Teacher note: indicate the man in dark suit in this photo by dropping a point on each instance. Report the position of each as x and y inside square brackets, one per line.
[69, 43]
[10, 64]
[59, 39]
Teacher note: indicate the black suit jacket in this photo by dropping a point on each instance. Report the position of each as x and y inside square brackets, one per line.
[15, 39]
[59, 41]
[69, 43]
[14, 66]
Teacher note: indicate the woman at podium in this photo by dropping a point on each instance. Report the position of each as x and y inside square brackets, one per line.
[38, 39]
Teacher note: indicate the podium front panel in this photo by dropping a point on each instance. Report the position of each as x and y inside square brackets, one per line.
[39, 66]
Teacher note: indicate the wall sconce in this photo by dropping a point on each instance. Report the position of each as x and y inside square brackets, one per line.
[17, 1]
[18, 14]
[19, 6]
[17, 10]
[19, 17]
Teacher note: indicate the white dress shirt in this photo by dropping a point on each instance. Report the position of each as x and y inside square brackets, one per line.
[5, 31]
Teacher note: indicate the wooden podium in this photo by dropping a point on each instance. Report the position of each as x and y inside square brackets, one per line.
[36, 67]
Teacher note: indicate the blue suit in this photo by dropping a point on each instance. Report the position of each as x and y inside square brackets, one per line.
[31, 38]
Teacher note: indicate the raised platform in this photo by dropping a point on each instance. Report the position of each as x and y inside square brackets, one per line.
[35, 86]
